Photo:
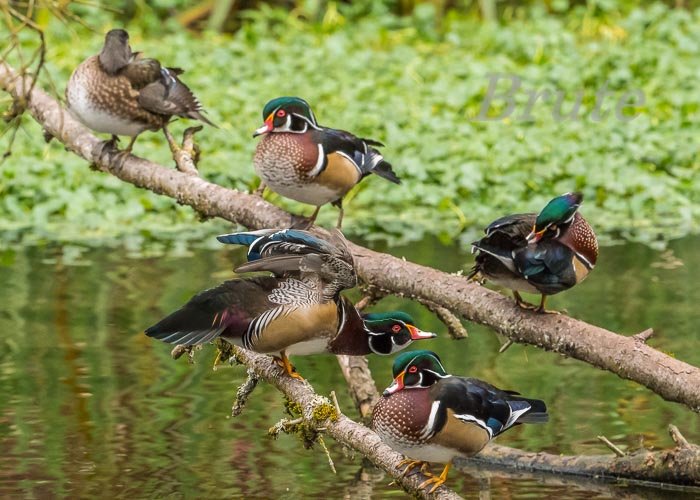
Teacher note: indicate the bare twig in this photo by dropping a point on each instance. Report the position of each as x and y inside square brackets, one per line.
[325, 449]
[451, 321]
[611, 445]
[677, 437]
[644, 336]
[335, 402]
[283, 426]
[504, 347]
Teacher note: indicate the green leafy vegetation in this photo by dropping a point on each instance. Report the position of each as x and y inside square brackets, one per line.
[416, 83]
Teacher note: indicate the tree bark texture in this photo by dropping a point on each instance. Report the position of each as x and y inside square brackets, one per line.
[628, 357]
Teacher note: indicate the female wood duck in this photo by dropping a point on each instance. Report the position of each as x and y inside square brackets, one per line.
[431, 416]
[544, 253]
[119, 92]
[299, 310]
[309, 163]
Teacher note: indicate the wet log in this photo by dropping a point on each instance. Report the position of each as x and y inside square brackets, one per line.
[679, 465]
[629, 357]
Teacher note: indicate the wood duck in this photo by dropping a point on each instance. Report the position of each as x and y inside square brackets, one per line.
[298, 310]
[303, 161]
[543, 253]
[431, 416]
[120, 92]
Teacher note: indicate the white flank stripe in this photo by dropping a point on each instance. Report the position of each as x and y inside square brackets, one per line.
[320, 162]
[428, 429]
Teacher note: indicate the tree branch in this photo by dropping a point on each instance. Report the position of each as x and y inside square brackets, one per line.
[627, 357]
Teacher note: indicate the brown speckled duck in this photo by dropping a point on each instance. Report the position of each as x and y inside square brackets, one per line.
[120, 92]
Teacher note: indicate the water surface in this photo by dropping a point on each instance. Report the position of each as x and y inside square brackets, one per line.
[91, 407]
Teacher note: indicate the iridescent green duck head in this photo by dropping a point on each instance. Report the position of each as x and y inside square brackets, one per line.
[389, 332]
[287, 114]
[556, 215]
[415, 370]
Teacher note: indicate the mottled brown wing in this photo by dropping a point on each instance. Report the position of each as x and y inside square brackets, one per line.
[142, 72]
[169, 96]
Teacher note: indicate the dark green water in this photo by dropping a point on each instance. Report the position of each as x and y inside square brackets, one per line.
[91, 407]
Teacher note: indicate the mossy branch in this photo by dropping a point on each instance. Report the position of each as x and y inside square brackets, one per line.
[312, 414]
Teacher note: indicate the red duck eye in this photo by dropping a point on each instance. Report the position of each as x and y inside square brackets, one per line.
[281, 113]
[396, 328]
[413, 369]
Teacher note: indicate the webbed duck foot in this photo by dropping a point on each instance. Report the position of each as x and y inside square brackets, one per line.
[542, 309]
[287, 366]
[113, 143]
[522, 304]
[436, 481]
[412, 464]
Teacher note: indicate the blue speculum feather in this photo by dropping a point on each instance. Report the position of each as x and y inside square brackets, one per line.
[495, 425]
[258, 240]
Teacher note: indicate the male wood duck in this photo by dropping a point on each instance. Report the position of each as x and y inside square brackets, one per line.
[303, 161]
[431, 416]
[299, 310]
[543, 253]
[120, 92]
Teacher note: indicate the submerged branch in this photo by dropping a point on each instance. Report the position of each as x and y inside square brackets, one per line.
[679, 465]
[628, 357]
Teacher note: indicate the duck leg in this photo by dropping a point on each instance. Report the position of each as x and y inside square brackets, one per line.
[301, 222]
[130, 146]
[339, 204]
[437, 481]
[312, 219]
[521, 303]
[542, 309]
[284, 362]
[261, 189]
[112, 143]
[122, 155]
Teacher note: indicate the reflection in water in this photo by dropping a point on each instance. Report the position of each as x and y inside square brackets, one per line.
[93, 407]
